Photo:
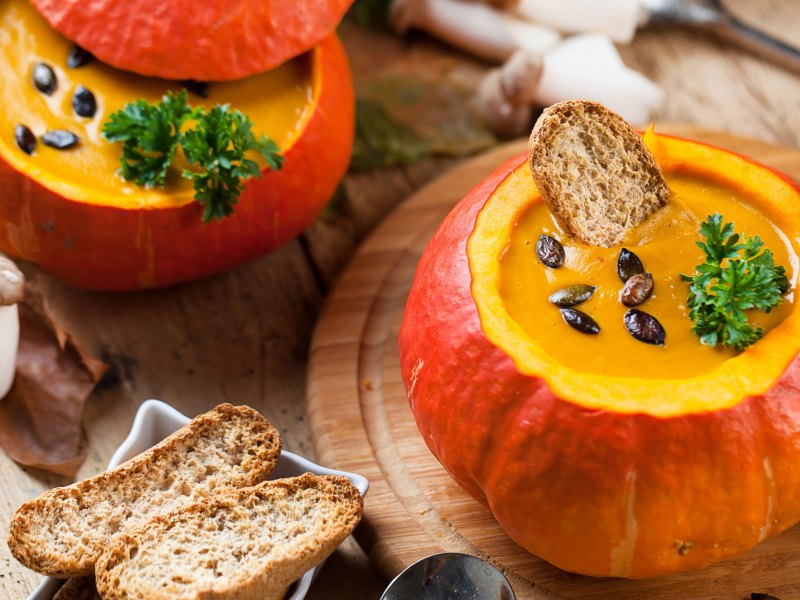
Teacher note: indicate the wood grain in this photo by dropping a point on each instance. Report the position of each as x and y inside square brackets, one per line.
[360, 419]
[243, 336]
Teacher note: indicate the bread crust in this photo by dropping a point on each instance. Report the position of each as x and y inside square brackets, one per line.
[243, 544]
[62, 532]
[594, 172]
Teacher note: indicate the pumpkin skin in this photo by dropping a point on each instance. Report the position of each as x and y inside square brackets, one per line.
[213, 40]
[648, 489]
[116, 248]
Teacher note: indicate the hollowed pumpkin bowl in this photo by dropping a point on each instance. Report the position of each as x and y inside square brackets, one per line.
[620, 476]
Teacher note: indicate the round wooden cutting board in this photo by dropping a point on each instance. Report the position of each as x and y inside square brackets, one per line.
[361, 422]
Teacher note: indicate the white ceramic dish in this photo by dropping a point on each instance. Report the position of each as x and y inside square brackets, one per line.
[154, 421]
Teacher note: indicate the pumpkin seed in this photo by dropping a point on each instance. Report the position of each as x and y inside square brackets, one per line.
[198, 88]
[637, 289]
[60, 139]
[44, 78]
[83, 102]
[645, 327]
[572, 295]
[25, 139]
[628, 265]
[78, 57]
[579, 320]
[550, 251]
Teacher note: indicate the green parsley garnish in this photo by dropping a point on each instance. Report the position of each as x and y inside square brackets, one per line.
[218, 145]
[150, 135]
[215, 147]
[738, 274]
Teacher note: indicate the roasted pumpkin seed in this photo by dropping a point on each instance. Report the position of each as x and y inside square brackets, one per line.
[78, 57]
[579, 320]
[628, 265]
[645, 327]
[198, 88]
[60, 139]
[83, 102]
[637, 289]
[550, 251]
[25, 139]
[572, 295]
[44, 78]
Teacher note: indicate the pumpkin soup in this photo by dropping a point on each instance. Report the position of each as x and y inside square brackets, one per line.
[666, 245]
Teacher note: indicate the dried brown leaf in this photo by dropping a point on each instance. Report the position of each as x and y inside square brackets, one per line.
[40, 418]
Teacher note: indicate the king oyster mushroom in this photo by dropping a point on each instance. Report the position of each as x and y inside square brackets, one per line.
[479, 29]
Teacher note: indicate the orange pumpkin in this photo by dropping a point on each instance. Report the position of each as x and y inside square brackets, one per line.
[603, 474]
[68, 212]
[185, 39]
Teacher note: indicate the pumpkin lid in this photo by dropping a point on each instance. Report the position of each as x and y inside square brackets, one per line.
[215, 40]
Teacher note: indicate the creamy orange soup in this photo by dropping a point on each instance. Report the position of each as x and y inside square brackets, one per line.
[666, 245]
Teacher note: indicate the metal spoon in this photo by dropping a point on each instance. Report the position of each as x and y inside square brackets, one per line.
[712, 15]
[450, 576]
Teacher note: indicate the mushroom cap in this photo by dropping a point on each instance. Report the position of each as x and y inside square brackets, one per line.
[12, 282]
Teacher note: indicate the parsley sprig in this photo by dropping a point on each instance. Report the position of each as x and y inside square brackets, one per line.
[738, 274]
[218, 145]
[215, 147]
[150, 134]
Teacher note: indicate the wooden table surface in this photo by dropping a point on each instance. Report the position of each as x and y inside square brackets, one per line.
[243, 336]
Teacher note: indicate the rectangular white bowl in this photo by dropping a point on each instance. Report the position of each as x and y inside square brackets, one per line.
[154, 421]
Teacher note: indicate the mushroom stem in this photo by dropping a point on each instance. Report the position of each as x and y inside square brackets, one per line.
[477, 28]
[506, 93]
[12, 290]
[582, 67]
[9, 342]
[616, 18]
[589, 67]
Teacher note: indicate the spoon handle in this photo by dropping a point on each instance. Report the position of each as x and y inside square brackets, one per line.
[712, 16]
[760, 43]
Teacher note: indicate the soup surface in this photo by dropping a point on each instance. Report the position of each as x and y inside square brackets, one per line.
[666, 245]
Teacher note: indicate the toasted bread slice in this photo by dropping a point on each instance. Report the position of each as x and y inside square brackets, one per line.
[62, 532]
[79, 588]
[594, 172]
[244, 544]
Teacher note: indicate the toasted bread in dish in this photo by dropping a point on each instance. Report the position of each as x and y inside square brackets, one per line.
[62, 532]
[79, 588]
[594, 172]
[243, 543]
